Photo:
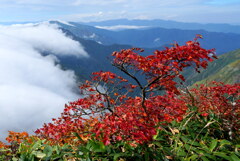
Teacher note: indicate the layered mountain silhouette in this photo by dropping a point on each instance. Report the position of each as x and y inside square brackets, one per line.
[100, 43]
[154, 37]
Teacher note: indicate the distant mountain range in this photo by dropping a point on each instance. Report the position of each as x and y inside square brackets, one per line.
[153, 37]
[226, 28]
[100, 43]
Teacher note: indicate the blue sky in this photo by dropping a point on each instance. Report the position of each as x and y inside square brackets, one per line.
[202, 11]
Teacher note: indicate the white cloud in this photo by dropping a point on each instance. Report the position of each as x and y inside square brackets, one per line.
[121, 27]
[83, 10]
[32, 88]
[36, 2]
[84, 16]
[96, 16]
[44, 37]
[97, 2]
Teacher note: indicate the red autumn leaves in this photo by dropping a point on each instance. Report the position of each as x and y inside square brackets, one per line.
[115, 108]
[221, 99]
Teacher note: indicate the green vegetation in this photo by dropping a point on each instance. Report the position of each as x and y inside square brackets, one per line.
[225, 69]
[228, 74]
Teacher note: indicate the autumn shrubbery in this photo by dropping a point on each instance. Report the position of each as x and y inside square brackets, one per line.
[128, 118]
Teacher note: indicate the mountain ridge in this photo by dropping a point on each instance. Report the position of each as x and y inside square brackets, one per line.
[170, 24]
[154, 37]
[100, 53]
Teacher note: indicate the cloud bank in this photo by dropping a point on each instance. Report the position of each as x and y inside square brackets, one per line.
[121, 27]
[32, 88]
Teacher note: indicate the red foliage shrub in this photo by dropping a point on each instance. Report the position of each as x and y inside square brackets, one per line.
[109, 112]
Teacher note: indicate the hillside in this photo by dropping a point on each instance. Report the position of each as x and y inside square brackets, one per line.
[226, 69]
[229, 74]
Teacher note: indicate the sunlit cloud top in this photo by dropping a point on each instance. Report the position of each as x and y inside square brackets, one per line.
[202, 11]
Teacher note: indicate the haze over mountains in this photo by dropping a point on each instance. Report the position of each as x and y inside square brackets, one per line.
[100, 43]
[156, 36]
[110, 24]
[48, 59]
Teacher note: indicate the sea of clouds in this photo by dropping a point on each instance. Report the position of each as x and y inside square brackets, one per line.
[33, 89]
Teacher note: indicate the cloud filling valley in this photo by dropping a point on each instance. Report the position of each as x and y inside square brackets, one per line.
[33, 89]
